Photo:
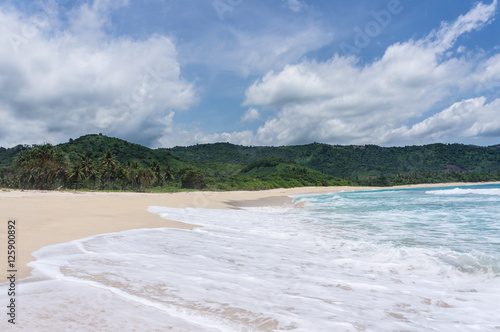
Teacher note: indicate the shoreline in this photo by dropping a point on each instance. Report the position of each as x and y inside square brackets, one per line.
[50, 217]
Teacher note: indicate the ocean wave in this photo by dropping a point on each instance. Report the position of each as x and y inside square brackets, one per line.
[460, 191]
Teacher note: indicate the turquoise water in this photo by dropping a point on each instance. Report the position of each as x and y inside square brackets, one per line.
[462, 219]
[387, 260]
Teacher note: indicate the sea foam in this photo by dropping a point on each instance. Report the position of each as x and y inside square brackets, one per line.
[463, 191]
[346, 262]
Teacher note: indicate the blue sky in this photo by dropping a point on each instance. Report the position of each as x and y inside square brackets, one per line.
[278, 72]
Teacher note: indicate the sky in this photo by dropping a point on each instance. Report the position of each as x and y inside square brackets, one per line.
[166, 73]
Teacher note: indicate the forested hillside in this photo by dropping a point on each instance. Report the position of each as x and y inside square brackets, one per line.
[357, 161]
[97, 162]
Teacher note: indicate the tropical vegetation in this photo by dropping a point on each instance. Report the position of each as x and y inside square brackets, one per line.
[98, 162]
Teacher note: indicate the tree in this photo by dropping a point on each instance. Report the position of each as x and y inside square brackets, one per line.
[169, 175]
[123, 174]
[193, 179]
[40, 165]
[145, 177]
[88, 169]
[155, 168]
[82, 170]
[76, 174]
[108, 163]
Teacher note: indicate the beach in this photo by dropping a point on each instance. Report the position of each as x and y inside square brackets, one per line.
[49, 217]
[414, 257]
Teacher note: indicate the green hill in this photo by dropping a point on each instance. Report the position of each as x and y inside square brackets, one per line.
[227, 166]
[94, 146]
[274, 172]
[357, 161]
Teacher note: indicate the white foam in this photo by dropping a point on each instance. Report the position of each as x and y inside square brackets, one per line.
[257, 269]
[464, 191]
[61, 305]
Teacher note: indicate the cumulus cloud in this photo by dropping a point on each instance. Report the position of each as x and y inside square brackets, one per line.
[252, 114]
[64, 74]
[471, 118]
[179, 137]
[59, 82]
[487, 77]
[342, 101]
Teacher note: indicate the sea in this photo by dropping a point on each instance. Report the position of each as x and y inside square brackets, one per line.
[424, 259]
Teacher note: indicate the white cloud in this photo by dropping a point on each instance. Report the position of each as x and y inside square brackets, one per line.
[296, 5]
[475, 19]
[341, 101]
[487, 76]
[257, 53]
[270, 43]
[59, 83]
[252, 114]
[63, 77]
[471, 118]
[179, 137]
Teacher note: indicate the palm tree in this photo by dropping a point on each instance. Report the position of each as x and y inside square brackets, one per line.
[169, 175]
[145, 177]
[25, 166]
[109, 163]
[77, 174]
[121, 174]
[88, 169]
[41, 164]
[155, 167]
[133, 178]
[82, 170]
